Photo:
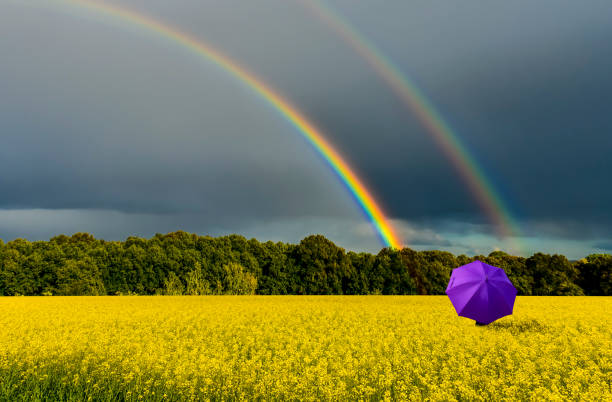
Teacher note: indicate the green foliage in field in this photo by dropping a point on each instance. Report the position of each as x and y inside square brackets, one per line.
[181, 263]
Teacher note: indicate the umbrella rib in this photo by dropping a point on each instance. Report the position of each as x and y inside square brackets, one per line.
[496, 273]
[505, 282]
[500, 292]
[482, 267]
[471, 297]
[464, 284]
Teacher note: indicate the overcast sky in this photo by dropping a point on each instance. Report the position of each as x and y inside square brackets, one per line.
[108, 129]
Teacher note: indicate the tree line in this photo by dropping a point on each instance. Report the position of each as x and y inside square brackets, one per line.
[182, 263]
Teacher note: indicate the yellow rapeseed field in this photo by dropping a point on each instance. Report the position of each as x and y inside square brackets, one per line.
[301, 347]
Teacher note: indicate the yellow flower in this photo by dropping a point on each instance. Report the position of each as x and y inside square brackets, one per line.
[306, 348]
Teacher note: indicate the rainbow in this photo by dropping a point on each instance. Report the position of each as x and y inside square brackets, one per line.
[308, 130]
[407, 91]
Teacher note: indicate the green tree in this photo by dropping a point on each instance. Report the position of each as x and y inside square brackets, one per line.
[79, 278]
[237, 281]
[553, 275]
[173, 286]
[595, 274]
[390, 276]
[361, 268]
[14, 279]
[178, 263]
[413, 261]
[196, 284]
[323, 266]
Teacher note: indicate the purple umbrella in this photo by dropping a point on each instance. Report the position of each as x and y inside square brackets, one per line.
[481, 292]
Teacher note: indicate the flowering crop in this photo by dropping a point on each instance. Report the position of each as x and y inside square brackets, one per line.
[301, 347]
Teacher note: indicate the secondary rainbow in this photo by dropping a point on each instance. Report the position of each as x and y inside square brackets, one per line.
[308, 130]
[448, 140]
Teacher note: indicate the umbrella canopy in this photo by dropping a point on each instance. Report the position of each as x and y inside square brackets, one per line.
[481, 292]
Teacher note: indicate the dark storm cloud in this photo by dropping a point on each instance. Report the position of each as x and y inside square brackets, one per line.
[157, 131]
[99, 117]
[527, 91]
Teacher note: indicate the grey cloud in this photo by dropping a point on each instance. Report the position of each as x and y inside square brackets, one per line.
[420, 236]
[604, 246]
[99, 116]
[41, 224]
